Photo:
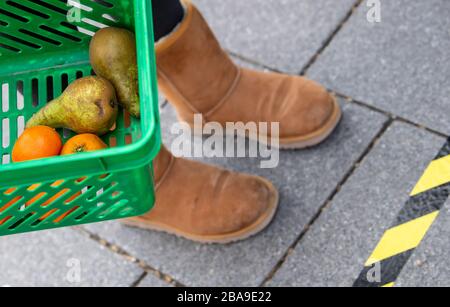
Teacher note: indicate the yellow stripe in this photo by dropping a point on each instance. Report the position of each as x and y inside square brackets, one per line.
[391, 285]
[402, 238]
[437, 174]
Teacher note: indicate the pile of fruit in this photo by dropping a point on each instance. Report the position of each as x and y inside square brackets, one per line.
[89, 106]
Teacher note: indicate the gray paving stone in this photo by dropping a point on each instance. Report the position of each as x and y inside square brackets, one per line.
[305, 179]
[161, 100]
[151, 281]
[339, 243]
[429, 265]
[282, 34]
[401, 65]
[51, 258]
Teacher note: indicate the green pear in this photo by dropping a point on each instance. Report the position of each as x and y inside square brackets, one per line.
[113, 57]
[88, 105]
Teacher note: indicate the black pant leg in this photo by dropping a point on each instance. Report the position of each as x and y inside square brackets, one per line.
[167, 14]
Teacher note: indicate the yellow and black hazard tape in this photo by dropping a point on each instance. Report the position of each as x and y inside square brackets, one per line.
[412, 224]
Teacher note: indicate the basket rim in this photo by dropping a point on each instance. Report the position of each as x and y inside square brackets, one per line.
[115, 159]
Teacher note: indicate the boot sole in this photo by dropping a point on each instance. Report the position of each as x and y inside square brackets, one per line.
[302, 142]
[241, 235]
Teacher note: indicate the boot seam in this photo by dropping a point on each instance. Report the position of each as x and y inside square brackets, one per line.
[227, 95]
[177, 91]
[217, 106]
[166, 173]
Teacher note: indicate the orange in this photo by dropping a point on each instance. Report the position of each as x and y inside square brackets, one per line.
[83, 143]
[37, 143]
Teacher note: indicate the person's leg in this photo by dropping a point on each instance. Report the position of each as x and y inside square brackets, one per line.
[197, 201]
[197, 76]
[207, 204]
[167, 14]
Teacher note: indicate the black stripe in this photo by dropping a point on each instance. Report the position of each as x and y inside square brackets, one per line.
[445, 151]
[423, 204]
[416, 207]
[389, 270]
[427, 202]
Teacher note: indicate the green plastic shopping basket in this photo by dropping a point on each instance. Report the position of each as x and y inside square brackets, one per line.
[44, 46]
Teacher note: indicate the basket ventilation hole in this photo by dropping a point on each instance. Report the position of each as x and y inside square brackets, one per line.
[21, 221]
[50, 6]
[94, 23]
[14, 16]
[34, 199]
[40, 37]
[44, 217]
[65, 215]
[111, 18]
[105, 176]
[7, 47]
[27, 9]
[20, 41]
[64, 81]
[6, 219]
[59, 33]
[20, 125]
[10, 203]
[126, 119]
[5, 132]
[116, 194]
[35, 92]
[57, 183]
[104, 3]
[81, 216]
[50, 95]
[20, 97]
[80, 180]
[6, 159]
[10, 191]
[33, 187]
[113, 141]
[5, 97]
[55, 197]
[128, 139]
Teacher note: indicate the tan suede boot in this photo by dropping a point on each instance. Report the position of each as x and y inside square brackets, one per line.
[197, 76]
[207, 204]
